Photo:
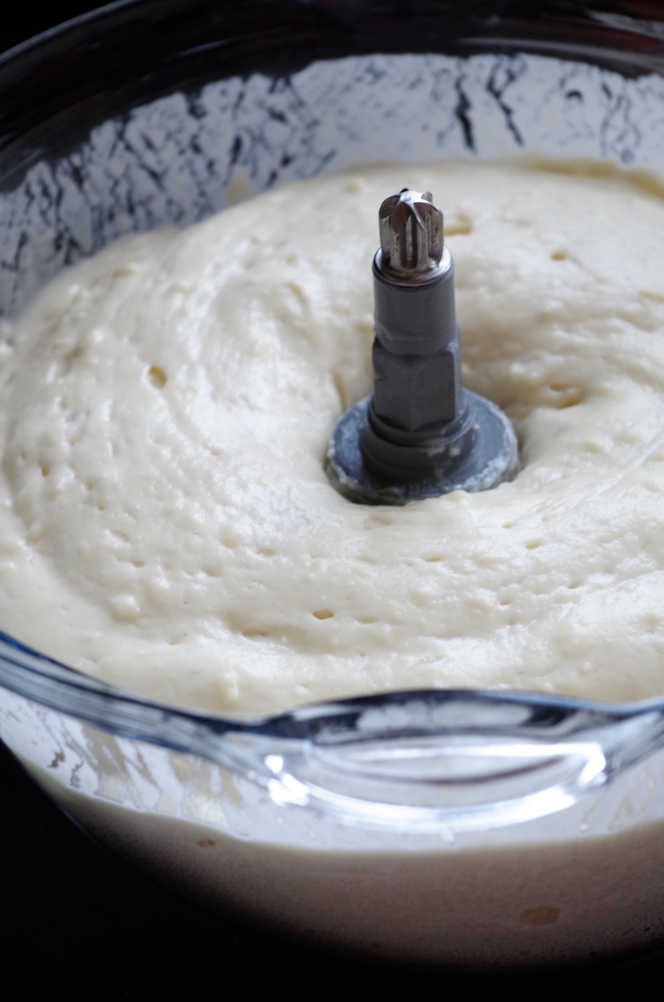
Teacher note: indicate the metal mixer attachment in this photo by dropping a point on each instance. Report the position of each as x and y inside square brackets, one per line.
[420, 434]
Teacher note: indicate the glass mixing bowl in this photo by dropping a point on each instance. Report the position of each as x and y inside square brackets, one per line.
[431, 827]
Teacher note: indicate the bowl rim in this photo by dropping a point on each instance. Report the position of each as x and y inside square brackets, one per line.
[522, 756]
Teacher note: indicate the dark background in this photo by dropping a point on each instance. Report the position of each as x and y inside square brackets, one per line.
[72, 914]
[23, 20]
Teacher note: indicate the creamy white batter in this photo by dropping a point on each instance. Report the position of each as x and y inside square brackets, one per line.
[165, 519]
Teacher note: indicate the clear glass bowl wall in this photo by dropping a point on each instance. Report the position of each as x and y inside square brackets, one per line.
[432, 827]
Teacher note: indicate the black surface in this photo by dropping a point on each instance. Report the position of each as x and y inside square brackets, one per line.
[28, 19]
[75, 916]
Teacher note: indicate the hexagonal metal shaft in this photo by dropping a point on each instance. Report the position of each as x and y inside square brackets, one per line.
[416, 351]
[421, 434]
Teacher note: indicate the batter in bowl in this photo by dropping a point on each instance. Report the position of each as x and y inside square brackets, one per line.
[166, 522]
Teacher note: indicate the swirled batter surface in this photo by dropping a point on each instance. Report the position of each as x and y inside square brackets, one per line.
[165, 520]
